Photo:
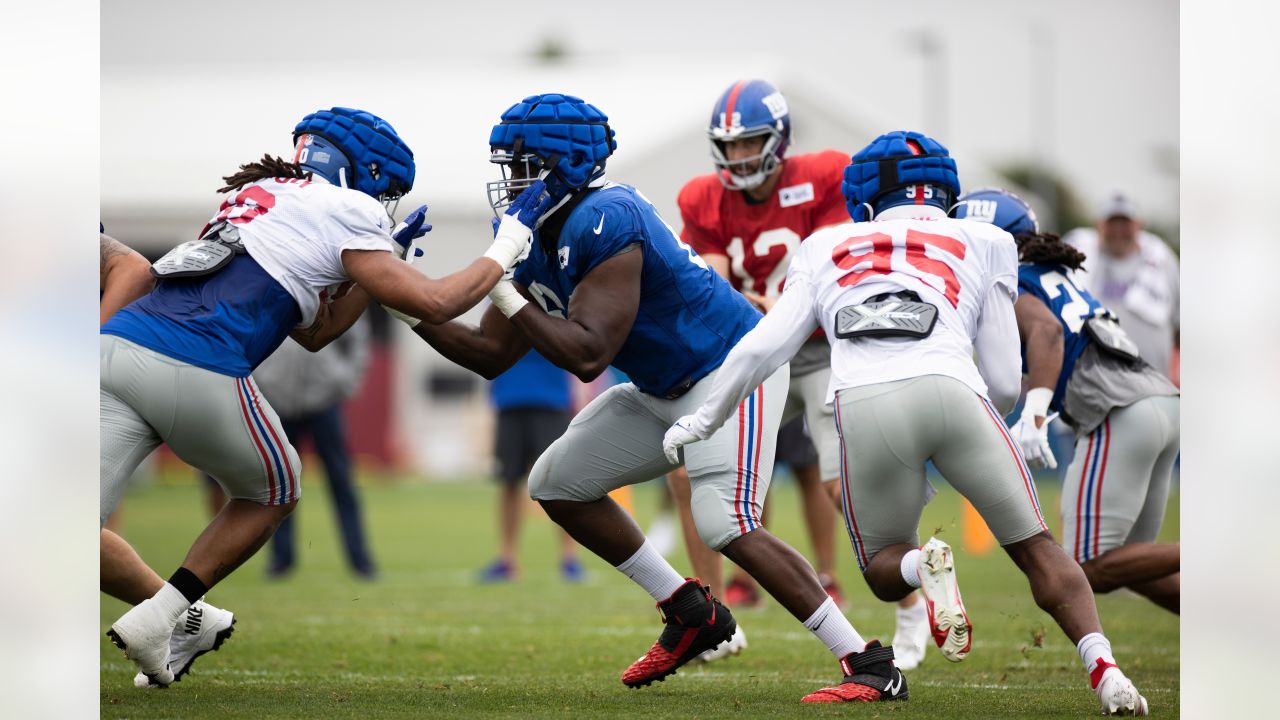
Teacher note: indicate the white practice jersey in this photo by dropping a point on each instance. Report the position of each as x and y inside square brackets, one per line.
[952, 264]
[297, 229]
[967, 269]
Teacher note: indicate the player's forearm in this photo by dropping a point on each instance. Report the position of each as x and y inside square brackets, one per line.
[332, 320]
[770, 344]
[469, 346]
[457, 293]
[1044, 355]
[567, 344]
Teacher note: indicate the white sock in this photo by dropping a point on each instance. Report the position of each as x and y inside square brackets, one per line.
[652, 572]
[834, 630]
[910, 567]
[1095, 653]
[915, 612]
[172, 602]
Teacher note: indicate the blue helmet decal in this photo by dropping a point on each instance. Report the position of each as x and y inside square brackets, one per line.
[899, 160]
[568, 140]
[380, 163]
[998, 207]
[748, 109]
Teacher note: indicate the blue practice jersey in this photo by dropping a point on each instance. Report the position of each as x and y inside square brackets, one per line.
[689, 317]
[533, 382]
[1072, 305]
[227, 322]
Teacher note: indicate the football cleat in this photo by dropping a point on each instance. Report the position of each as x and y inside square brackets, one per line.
[571, 570]
[911, 636]
[499, 571]
[742, 594]
[1118, 694]
[695, 622]
[201, 629]
[948, 620]
[143, 634]
[733, 646]
[869, 676]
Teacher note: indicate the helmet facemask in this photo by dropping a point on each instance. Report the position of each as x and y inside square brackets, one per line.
[733, 174]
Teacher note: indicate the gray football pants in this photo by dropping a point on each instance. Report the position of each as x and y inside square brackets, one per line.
[890, 430]
[617, 440]
[217, 423]
[1118, 482]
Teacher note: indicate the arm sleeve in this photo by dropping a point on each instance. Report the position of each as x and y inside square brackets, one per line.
[997, 345]
[773, 341]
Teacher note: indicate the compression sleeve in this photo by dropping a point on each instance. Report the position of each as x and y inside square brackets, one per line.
[998, 348]
[773, 341]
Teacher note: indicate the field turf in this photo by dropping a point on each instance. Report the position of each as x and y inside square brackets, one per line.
[425, 640]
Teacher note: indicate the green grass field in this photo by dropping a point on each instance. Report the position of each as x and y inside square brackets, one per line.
[426, 641]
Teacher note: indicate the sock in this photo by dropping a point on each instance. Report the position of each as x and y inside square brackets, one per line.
[1095, 653]
[916, 612]
[910, 567]
[171, 602]
[652, 572]
[191, 587]
[834, 630]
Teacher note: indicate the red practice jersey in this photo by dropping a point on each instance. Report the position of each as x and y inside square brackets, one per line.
[760, 238]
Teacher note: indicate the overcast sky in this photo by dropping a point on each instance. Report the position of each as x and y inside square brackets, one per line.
[1089, 85]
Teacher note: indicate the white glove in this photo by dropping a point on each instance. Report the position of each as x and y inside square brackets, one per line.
[683, 432]
[1035, 440]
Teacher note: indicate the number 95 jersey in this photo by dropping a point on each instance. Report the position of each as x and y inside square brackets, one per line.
[955, 265]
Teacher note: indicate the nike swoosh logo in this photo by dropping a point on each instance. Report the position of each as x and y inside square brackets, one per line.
[601, 225]
[894, 686]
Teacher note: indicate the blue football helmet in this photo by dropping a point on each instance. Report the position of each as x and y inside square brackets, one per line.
[899, 168]
[749, 108]
[355, 149]
[557, 138]
[998, 207]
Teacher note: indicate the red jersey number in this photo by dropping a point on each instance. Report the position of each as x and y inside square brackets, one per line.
[869, 255]
[252, 202]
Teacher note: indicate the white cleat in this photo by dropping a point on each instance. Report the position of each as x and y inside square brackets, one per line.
[911, 637]
[201, 629]
[948, 621]
[732, 646]
[1119, 696]
[143, 634]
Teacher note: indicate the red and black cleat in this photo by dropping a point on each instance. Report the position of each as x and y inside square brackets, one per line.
[869, 676]
[695, 622]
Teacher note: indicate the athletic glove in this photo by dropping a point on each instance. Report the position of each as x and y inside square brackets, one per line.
[683, 432]
[1033, 440]
[414, 226]
[512, 241]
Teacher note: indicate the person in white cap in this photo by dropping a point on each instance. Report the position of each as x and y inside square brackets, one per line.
[1133, 272]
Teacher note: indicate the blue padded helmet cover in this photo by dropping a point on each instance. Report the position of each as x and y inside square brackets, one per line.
[568, 135]
[383, 163]
[895, 160]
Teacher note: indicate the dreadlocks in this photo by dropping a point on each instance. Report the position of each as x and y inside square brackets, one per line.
[1048, 249]
[266, 168]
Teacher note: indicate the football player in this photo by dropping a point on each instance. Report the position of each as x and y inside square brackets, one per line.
[609, 282]
[1125, 414]
[905, 296]
[296, 249]
[746, 221]
[125, 276]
